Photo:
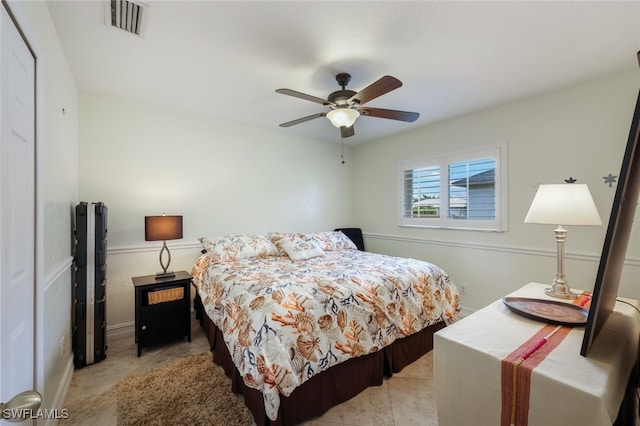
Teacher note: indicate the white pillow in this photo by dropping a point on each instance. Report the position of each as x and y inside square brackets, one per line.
[298, 249]
[229, 248]
[331, 241]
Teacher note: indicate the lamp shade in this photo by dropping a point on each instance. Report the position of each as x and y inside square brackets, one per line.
[162, 228]
[563, 204]
[343, 117]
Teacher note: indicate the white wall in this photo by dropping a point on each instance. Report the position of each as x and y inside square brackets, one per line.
[57, 190]
[227, 178]
[578, 132]
[224, 178]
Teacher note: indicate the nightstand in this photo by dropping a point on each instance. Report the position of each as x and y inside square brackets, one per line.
[163, 308]
[563, 388]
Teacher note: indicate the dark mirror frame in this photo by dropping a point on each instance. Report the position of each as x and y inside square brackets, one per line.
[616, 241]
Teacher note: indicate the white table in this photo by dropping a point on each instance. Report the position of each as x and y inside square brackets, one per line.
[566, 388]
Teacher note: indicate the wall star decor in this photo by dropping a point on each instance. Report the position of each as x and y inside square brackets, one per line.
[610, 179]
[571, 180]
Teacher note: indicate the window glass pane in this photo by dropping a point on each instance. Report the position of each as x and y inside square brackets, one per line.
[459, 190]
[472, 190]
[421, 193]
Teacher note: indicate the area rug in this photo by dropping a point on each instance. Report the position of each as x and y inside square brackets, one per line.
[192, 391]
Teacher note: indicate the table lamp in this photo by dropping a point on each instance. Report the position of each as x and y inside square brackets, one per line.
[562, 204]
[163, 228]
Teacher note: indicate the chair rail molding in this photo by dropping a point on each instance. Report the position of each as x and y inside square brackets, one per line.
[152, 247]
[495, 248]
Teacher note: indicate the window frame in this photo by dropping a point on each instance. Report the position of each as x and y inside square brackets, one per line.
[443, 161]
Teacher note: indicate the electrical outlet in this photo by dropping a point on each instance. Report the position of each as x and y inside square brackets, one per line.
[463, 289]
[63, 342]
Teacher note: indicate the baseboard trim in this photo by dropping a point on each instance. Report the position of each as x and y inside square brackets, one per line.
[126, 329]
[63, 389]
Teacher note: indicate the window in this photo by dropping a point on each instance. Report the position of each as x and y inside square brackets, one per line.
[465, 190]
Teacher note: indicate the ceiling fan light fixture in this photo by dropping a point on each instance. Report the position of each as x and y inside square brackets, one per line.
[345, 106]
[343, 117]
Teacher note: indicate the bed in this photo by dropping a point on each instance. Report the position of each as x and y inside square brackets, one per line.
[302, 322]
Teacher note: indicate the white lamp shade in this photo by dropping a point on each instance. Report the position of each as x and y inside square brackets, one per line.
[563, 204]
[343, 117]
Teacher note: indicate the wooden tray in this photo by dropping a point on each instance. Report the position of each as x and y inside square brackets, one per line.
[550, 311]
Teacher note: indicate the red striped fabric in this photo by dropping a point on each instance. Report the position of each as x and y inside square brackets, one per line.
[517, 366]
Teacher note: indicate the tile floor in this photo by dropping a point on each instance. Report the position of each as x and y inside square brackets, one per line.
[405, 399]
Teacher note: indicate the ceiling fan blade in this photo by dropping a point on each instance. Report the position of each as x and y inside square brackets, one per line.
[390, 113]
[303, 96]
[303, 119]
[375, 89]
[346, 132]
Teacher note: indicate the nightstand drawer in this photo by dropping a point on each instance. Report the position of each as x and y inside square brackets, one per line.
[166, 295]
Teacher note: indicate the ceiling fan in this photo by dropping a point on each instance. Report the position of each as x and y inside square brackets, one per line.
[347, 105]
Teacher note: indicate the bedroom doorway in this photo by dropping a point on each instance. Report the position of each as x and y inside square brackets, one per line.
[17, 211]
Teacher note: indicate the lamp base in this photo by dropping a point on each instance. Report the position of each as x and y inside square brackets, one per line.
[167, 274]
[561, 292]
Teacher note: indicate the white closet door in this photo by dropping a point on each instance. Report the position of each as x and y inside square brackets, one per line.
[17, 211]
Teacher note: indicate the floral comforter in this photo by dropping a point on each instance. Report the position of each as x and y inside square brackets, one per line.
[285, 321]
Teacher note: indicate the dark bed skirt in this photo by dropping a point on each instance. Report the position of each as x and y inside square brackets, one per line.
[334, 386]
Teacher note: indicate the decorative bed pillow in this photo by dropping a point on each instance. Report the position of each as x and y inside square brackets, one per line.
[229, 248]
[279, 238]
[298, 249]
[331, 241]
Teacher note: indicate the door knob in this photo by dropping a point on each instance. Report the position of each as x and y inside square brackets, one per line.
[16, 408]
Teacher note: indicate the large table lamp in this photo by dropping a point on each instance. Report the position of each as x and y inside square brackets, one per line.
[163, 228]
[562, 204]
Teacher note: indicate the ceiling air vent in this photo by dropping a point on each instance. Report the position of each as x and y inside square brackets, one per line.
[128, 16]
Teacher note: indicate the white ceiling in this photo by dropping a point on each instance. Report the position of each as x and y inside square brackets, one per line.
[225, 59]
